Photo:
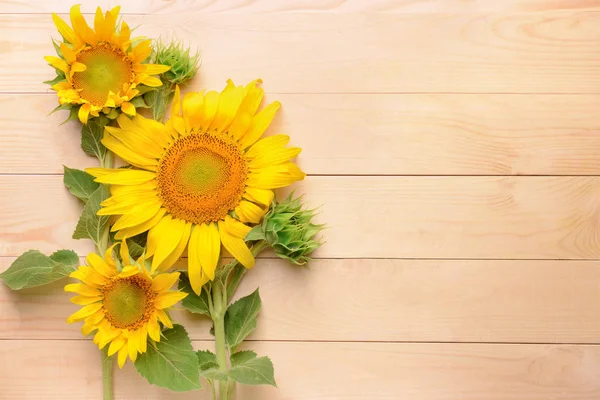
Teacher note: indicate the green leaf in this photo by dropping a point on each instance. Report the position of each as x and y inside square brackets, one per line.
[138, 102]
[249, 370]
[57, 79]
[91, 135]
[171, 363]
[255, 233]
[80, 183]
[240, 319]
[234, 281]
[192, 302]
[137, 244]
[158, 100]
[90, 225]
[206, 357]
[33, 268]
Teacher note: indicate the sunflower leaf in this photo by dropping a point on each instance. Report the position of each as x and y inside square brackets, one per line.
[247, 369]
[33, 268]
[91, 135]
[80, 183]
[240, 319]
[137, 244]
[90, 225]
[206, 360]
[171, 363]
[192, 302]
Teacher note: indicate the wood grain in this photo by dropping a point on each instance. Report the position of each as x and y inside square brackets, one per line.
[428, 134]
[329, 371]
[547, 52]
[374, 217]
[312, 6]
[376, 300]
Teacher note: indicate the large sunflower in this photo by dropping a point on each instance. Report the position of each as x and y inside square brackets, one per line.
[124, 307]
[199, 180]
[100, 69]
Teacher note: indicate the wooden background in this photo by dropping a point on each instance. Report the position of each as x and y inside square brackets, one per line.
[455, 148]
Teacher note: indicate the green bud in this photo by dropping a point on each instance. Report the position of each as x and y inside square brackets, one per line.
[289, 230]
[183, 65]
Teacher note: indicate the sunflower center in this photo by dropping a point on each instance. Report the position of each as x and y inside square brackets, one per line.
[202, 177]
[128, 302]
[107, 69]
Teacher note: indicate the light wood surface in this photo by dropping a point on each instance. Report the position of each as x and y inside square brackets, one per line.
[331, 371]
[454, 149]
[393, 134]
[545, 52]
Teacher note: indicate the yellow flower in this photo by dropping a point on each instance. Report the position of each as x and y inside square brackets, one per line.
[123, 307]
[199, 180]
[101, 67]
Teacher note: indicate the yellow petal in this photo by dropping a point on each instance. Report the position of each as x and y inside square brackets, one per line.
[154, 329]
[135, 134]
[236, 246]
[259, 124]
[58, 63]
[271, 155]
[210, 248]
[89, 276]
[151, 69]
[80, 26]
[99, 25]
[124, 250]
[139, 217]
[192, 110]
[125, 176]
[84, 113]
[124, 34]
[122, 150]
[166, 300]
[211, 103]
[229, 102]
[164, 318]
[95, 318]
[132, 344]
[176, 254]
[64, 29]
[128, 108]
[122, 357]
[116, 345]
[85, 300]
[100, 265]
[130, 206]
[151, 81]
[142, 51]
[176, 104]
[164, 282]
[84, 312]
[164, 238]
[143, 338]
[276, 176]
[86, 329]
[82, 289]
[249, 212]
[143, 227]
[196, 275]
[236, 228]
[68, 53]
[253, 96]
[262, 196]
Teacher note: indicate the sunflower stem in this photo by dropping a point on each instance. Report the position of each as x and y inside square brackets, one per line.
[107, 373]
[219, 298]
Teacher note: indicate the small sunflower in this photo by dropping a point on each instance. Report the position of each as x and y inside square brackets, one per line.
[123, 307]
[200, 180]
[100, 69]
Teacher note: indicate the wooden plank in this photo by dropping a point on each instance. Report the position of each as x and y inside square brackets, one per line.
[547, 52]
[376, 300]
[391, 217]
[313, 6]
[329, 371]
[433, 134]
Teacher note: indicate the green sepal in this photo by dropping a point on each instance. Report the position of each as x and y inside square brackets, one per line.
[113, 114]
[59, 78]
[240, 319]
[61, 107]
[33, 268]
[192, 302]
[255, 233]
[171, 363]
[73, 115]
[57, 48]
[138, 102]
[80, 183]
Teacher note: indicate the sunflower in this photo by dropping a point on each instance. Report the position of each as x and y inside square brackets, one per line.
[100, 69]
[123, 307]
[199, 180]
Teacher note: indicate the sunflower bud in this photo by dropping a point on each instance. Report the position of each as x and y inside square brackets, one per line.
[289, 230]
[183, 65]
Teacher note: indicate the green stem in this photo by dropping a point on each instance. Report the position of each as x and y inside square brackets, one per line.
[107, 372]
[219, 294]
